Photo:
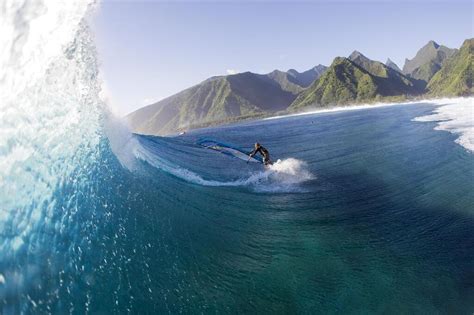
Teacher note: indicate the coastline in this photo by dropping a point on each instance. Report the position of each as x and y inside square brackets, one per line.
[436, 101]
[285, 114]
[450, 114]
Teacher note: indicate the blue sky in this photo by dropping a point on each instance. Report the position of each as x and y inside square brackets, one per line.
[150, 50]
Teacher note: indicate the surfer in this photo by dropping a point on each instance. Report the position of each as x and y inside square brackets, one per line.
[264, 152]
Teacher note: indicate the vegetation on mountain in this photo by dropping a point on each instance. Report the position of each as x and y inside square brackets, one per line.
[427, 61]
[456, 76]
[215, 99]
[357, 79]
[285, 81]
[304, 79]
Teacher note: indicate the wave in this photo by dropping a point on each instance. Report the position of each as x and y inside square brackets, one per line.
[50, 114]
[362, 106]
[456, 116]
[285, 175]
[453, 114]
[342, 109]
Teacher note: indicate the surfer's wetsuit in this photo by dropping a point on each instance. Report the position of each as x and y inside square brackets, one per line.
[264, 152]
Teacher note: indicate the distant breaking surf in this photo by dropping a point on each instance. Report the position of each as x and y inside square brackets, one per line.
[344, 108]
[456, 116]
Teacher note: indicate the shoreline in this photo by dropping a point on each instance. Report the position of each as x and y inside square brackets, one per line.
[263, 117]
[453, 120]
[435, 101]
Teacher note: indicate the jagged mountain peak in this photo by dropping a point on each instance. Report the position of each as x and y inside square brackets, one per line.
[389, 63]
[357, 55]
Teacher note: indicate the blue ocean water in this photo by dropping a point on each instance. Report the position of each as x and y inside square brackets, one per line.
[366, 212]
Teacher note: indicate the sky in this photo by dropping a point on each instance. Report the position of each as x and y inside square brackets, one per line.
[149, 50]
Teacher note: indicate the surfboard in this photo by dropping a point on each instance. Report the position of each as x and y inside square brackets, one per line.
[229, 150]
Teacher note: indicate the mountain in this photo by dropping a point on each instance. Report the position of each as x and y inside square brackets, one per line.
[222, 99]
[215, 99]
[436, 70]
[456, 75]
[285, 81]
[389, 63]
[354, 79]
[393, 80]
[307, 77]
[427, 61]
[358, 58]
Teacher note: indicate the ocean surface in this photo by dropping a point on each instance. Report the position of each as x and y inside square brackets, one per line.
[366, 211]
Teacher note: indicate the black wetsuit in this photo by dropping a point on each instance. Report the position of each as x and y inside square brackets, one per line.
[264, 152]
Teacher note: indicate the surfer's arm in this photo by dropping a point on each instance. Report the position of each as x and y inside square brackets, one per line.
[253, 153]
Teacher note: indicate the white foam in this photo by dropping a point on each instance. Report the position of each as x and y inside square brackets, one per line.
[283, 176]
[49, 110]
[456, 116]
[358, 107]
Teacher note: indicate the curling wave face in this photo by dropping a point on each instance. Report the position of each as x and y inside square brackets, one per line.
[283, 176]
[50, 143]
[50, 109]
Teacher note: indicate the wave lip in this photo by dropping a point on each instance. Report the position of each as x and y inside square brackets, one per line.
[50, 116]
[457, 117]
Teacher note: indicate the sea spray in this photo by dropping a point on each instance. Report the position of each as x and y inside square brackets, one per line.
[283, 176]
[51, 119]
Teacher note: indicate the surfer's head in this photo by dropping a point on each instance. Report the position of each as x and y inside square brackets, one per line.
[257, 145]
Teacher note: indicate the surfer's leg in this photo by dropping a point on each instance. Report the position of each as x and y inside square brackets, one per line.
[267, 161]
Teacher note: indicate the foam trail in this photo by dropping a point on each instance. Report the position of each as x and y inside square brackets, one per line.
[283, 176]
[455, 116]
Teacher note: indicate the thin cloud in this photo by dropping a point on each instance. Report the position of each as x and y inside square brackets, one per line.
[232, 71]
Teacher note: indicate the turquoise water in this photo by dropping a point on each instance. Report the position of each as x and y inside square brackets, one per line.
[368, 212]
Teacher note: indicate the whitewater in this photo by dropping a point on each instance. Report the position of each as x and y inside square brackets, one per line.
[42, 106]
[361, 205]
[456, 116]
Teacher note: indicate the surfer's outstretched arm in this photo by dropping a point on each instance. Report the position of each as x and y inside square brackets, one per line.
[251, 155]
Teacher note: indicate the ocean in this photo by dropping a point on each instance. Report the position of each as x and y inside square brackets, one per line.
[366, 211]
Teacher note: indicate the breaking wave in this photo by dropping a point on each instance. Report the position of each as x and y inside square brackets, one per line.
[455, 116]
[283, 176]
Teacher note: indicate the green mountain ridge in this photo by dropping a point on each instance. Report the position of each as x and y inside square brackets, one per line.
[355, 79]
[307, 77]
[352, 80]
[217, 99]
[286, 81]
[427, 61]
[456, 76]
